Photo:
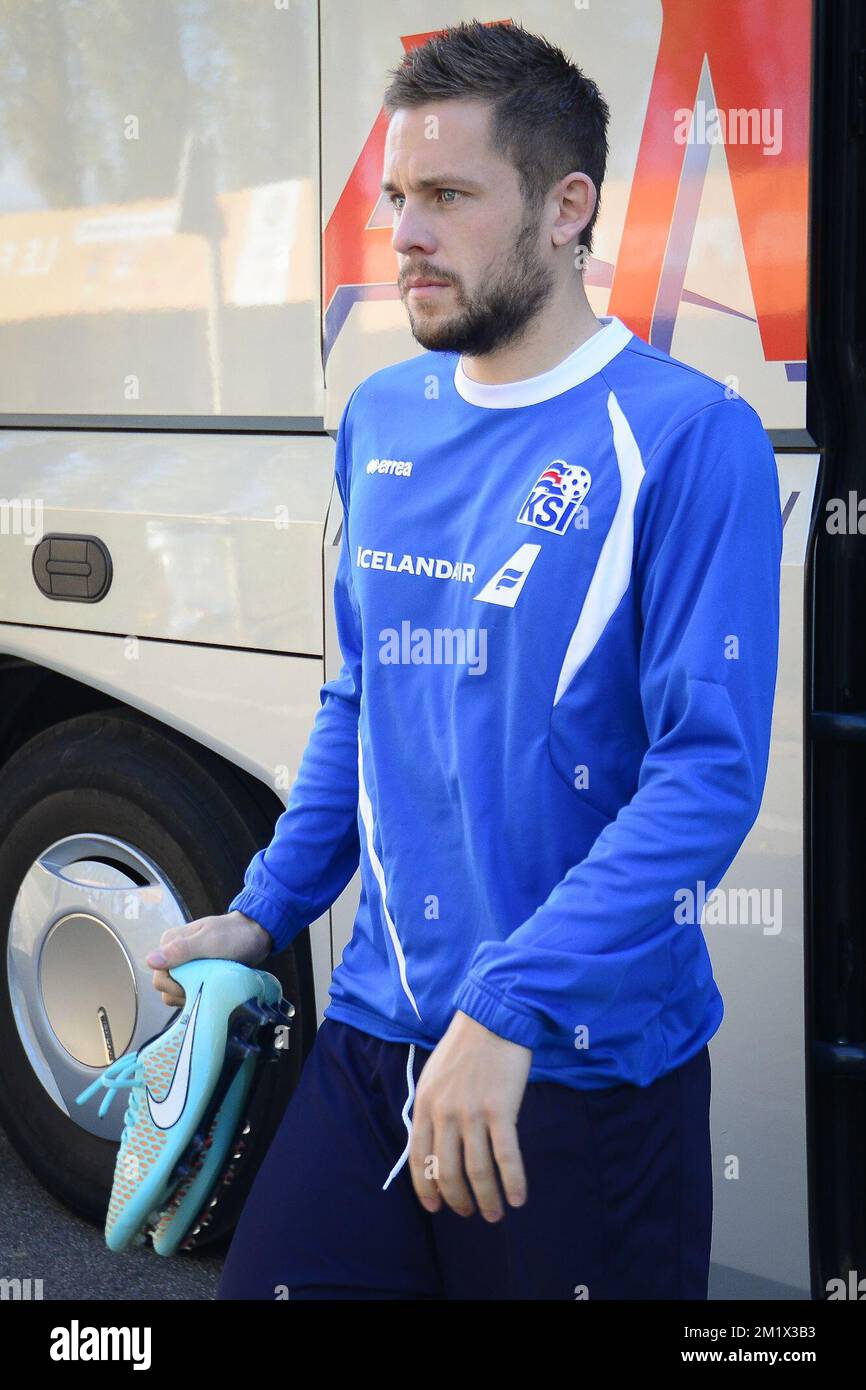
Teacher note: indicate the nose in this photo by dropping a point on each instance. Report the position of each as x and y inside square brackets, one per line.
[412, 233]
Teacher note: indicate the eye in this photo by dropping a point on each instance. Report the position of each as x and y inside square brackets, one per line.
[394, 198]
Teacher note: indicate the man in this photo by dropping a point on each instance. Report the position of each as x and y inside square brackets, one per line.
[557, 603]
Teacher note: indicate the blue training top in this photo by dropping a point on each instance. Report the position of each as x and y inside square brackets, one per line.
[557, 601]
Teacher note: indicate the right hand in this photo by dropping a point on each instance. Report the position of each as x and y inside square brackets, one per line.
[227, 936]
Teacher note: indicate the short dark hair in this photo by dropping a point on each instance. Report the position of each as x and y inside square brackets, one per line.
[547, 117]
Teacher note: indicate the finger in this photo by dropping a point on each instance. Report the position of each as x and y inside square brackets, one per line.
[449, 1152]
[183, 929]
[480, 1169]
[174, 1001]
[171, 1000]
[506, 1151]
[184, 945]
[171, 991]
[422, 1161]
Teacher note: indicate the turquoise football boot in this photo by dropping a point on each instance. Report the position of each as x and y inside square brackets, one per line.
[214, 1167]
[178, 1082]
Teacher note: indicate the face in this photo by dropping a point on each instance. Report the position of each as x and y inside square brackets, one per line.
[468, 228]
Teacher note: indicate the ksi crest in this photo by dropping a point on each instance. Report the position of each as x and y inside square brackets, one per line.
[556, 497]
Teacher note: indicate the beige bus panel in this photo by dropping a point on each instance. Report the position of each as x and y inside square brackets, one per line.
[212, 537]
[755, 932]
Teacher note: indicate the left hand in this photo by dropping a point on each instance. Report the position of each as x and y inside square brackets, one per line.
[465, 1115]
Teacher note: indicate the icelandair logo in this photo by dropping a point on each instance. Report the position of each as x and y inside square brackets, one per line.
[505, 586]
[401, 467]
[556, 497]
[430, 565]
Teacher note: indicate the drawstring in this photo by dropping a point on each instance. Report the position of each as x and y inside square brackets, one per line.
[410, 1085]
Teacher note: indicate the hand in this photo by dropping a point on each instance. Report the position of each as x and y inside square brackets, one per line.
[468, 1098]
[228, 936]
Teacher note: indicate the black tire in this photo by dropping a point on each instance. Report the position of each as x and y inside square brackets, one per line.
[123, 774]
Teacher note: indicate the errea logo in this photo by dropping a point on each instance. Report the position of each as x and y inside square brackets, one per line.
[402, 467]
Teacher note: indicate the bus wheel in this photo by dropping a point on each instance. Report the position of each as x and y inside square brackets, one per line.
[112, 828]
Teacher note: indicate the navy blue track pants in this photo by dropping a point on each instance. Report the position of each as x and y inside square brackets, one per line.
[619, 1201]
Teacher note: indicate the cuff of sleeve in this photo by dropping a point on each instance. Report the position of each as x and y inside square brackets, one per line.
[488, 1008]
[268, 913]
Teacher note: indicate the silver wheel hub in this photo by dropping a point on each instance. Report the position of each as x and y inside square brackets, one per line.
[87, 913]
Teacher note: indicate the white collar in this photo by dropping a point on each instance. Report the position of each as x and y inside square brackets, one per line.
[581, 364]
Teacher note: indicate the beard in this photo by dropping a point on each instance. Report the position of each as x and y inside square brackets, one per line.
[498, 313]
